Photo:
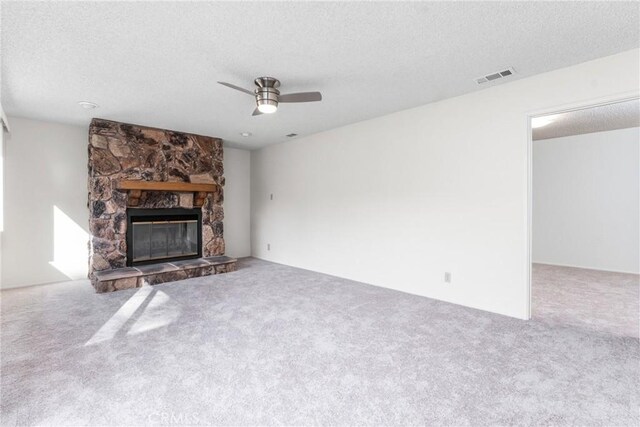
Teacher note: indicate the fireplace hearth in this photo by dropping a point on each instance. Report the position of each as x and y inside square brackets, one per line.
[163, 235]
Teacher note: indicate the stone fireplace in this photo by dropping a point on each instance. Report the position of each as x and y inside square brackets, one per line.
[155, 202]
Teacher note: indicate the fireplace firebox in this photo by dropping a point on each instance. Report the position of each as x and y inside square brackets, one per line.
[163, 235]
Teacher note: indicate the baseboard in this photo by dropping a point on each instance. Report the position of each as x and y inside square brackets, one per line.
[584, 267]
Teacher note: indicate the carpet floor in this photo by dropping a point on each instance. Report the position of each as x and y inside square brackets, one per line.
[600, 301]
[275, 345]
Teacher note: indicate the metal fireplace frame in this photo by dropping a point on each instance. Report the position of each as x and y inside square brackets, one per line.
[177, 214]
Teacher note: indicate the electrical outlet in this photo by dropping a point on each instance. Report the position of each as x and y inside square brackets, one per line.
[268, 246]
[447, 277]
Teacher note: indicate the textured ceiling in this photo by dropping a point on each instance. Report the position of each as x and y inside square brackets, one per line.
[156, 63]
[620, 115]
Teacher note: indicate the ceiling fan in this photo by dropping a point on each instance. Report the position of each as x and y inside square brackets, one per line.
[268, 96]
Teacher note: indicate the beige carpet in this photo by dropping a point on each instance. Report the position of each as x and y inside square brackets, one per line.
[275, 345]
[593, 300]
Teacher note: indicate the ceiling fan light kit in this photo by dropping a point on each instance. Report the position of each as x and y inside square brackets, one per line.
[268, 96]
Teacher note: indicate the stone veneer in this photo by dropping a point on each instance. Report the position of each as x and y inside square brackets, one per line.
[120, 151]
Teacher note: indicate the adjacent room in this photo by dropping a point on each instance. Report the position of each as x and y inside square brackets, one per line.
[586, 218]
[319, 213]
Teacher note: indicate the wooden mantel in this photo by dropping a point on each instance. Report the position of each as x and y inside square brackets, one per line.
[179, 187]
[135, 189]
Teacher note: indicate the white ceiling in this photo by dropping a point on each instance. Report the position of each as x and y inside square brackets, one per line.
[602, 118]
[156, 63]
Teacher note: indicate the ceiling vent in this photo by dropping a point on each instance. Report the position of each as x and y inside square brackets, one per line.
[495, 76]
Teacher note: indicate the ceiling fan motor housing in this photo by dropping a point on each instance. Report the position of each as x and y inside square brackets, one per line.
[266, 93]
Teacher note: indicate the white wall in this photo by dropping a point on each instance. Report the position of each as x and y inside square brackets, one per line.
[46, 214]
[1, 191]
[398, 200]
[237, 201]
[3, 126]
[586, 191]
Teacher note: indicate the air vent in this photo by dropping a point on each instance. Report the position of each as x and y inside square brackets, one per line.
[495, 76]
[291, 135]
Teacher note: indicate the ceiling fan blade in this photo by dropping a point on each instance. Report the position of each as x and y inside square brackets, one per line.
[256, 112]
[237, 88]
[300, 97]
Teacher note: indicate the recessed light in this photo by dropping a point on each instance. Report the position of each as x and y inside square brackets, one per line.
[245, 134]
[87, 105]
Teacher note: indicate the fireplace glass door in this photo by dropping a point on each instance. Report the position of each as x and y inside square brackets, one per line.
[162, 235]
[164, 239]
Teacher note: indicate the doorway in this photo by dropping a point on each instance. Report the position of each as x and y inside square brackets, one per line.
[585, 215]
